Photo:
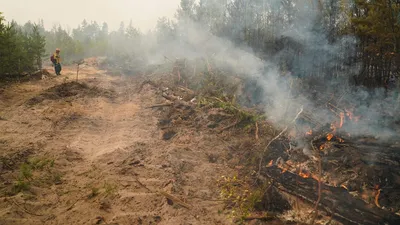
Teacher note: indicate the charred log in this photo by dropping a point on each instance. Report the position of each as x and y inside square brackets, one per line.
[336, 201]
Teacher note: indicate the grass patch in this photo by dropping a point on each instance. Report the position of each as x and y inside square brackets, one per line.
[244, 117]
[95, 192]
[109, 189]
[241, 198]
[237, 196]
[35, 172]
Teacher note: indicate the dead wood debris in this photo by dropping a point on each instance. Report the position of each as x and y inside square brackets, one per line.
[336, 201]
[257, 132]
[265, 216]
[159, 106]
[275, 138]
[23, 207]
[229, 126]
[319, 161]
[175, 199]
[378, 192]
[168, 196]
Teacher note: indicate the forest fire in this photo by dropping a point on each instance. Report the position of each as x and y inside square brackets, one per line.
[351, 116]
[304, 174]
[345, 173]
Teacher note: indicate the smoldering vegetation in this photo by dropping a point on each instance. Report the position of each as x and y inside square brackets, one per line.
[287, 54]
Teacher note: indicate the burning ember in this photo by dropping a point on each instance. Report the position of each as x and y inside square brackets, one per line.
[341, 119]
[351, 116]
[305, 174]
[315, 162]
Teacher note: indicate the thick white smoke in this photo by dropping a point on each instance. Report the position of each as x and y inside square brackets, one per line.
[281, 96]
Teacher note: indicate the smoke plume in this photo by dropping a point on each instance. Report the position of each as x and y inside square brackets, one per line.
[281, 94]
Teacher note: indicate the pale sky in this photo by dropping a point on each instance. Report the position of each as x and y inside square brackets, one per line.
[143, 13]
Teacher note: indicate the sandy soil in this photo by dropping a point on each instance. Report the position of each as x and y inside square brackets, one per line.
[110, 160]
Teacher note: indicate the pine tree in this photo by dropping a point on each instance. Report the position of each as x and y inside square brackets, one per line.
[38, 43]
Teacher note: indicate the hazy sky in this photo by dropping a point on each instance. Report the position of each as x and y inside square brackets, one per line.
[144, 13]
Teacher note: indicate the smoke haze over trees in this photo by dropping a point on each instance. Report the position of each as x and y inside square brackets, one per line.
[343, 42]
[278, 28]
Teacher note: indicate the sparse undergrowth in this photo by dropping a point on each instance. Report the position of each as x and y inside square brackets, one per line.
[244, 118]
[244, 199]
[71, 89]
[216, 94]
[107, 190]
[237, 196]
[38, 172]
[211, 88]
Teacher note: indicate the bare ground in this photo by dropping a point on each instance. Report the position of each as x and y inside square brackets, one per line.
[110, 159]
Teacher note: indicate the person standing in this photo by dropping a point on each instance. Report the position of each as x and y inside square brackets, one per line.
[56, 59]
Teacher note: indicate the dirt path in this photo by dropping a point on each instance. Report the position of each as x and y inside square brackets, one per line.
[110, 161]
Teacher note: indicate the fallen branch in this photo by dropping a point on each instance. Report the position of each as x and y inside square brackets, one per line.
[256, 131]
[177, 101]
[170, 97]
[336, 201]
[144, 186]
[23, 208]
[159, 106]
[229, 126]
[316, 152]
[175, 199]
[266, 216]
[273, 139]
[187, 90]
[377, 198]
[69, 208]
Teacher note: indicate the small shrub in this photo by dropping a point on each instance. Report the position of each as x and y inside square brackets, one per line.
[109, 189]
[20, 186]
[94, 193]
[35, 171]
[25, 172]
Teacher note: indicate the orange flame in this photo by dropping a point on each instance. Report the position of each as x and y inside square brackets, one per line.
[322, 147]
[270, 163]
[341, 119]
[329, 136]
[351, 116]
[304, 174]
[378, 192]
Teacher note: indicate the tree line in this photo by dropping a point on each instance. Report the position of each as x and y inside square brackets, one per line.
[356, 40]
[363, 36]
[21, 50]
